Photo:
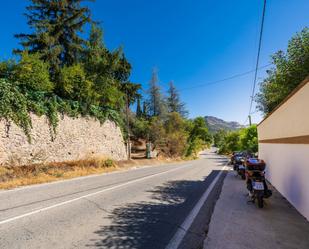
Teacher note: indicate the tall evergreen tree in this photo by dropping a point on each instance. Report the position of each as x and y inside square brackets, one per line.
[99, 61]
[156, 104]
[173, 101]
[139, 112]
[145, 109]
[56, 26]
[131, 92]
[109, 71]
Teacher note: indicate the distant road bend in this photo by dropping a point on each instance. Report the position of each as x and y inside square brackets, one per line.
[156, 207]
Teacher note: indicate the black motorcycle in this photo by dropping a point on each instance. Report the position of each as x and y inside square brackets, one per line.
[242, 170]
[256, 183]
[239, 166]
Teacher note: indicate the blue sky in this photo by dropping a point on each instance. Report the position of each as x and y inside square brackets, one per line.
[190, 42]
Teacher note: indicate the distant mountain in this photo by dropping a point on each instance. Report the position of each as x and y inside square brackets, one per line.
[216, 124]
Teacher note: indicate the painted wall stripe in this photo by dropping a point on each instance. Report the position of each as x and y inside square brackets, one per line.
[287, 140]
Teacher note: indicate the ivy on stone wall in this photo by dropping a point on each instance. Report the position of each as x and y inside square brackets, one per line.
[16, 106]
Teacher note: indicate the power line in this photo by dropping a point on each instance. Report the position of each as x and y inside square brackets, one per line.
[224, 79]
[257, 59]
[217, 81]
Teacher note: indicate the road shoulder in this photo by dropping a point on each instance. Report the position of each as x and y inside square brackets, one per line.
[238, 224]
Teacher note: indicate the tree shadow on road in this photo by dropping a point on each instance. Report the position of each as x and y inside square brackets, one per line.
[220, 161]
[152, 224]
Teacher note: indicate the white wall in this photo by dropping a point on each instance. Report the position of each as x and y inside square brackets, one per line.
[288, 170]
[283, 144]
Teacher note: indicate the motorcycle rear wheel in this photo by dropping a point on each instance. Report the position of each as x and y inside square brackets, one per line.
[260, 202]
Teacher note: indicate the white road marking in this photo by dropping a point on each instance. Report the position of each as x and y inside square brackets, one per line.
[181, 232]
[86, 196]
[81, 178]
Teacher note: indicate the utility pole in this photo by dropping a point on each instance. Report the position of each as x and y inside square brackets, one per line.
[128, 126]
[257, 60]
[250, 123]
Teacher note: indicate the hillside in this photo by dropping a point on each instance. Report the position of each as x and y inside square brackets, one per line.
[215, 124]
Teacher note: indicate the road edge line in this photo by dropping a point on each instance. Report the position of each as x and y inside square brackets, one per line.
[184, 227]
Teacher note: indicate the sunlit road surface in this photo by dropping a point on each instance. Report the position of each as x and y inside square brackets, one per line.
[140, 208]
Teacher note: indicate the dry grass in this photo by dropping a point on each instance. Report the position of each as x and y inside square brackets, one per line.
[15, 176]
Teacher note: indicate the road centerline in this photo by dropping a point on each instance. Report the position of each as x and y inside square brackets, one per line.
[87, 195]
[75, 193]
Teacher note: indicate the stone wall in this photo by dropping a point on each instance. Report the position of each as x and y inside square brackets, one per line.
[75, 139]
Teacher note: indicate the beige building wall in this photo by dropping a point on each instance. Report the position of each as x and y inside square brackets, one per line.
[290, 119]
[284, 145]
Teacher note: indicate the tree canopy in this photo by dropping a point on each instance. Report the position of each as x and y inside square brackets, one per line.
[173, 101]
[290, 69]
[240, 140]
[56, 32]
[58, 71]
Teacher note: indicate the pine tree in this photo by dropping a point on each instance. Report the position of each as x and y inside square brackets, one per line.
[145, 109]
[131, 92]
[108, 70]
[56, 26]
[139, 112]
[156, 105]
[173, 101]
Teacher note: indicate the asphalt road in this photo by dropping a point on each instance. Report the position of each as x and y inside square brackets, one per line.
[140, 208]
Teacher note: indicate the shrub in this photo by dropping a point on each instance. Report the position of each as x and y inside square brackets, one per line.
[74, 84]
[243, 139]
[109, 163]
[31, 73]
[140, 128]
[194, 147]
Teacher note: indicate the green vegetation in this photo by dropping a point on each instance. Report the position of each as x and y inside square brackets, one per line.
[58, 72]
[241, 140]
[163, 122]
[13, 106]
[56, 26]
[291, 68]
[173, 102]
[199, 136]
[172, 134]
